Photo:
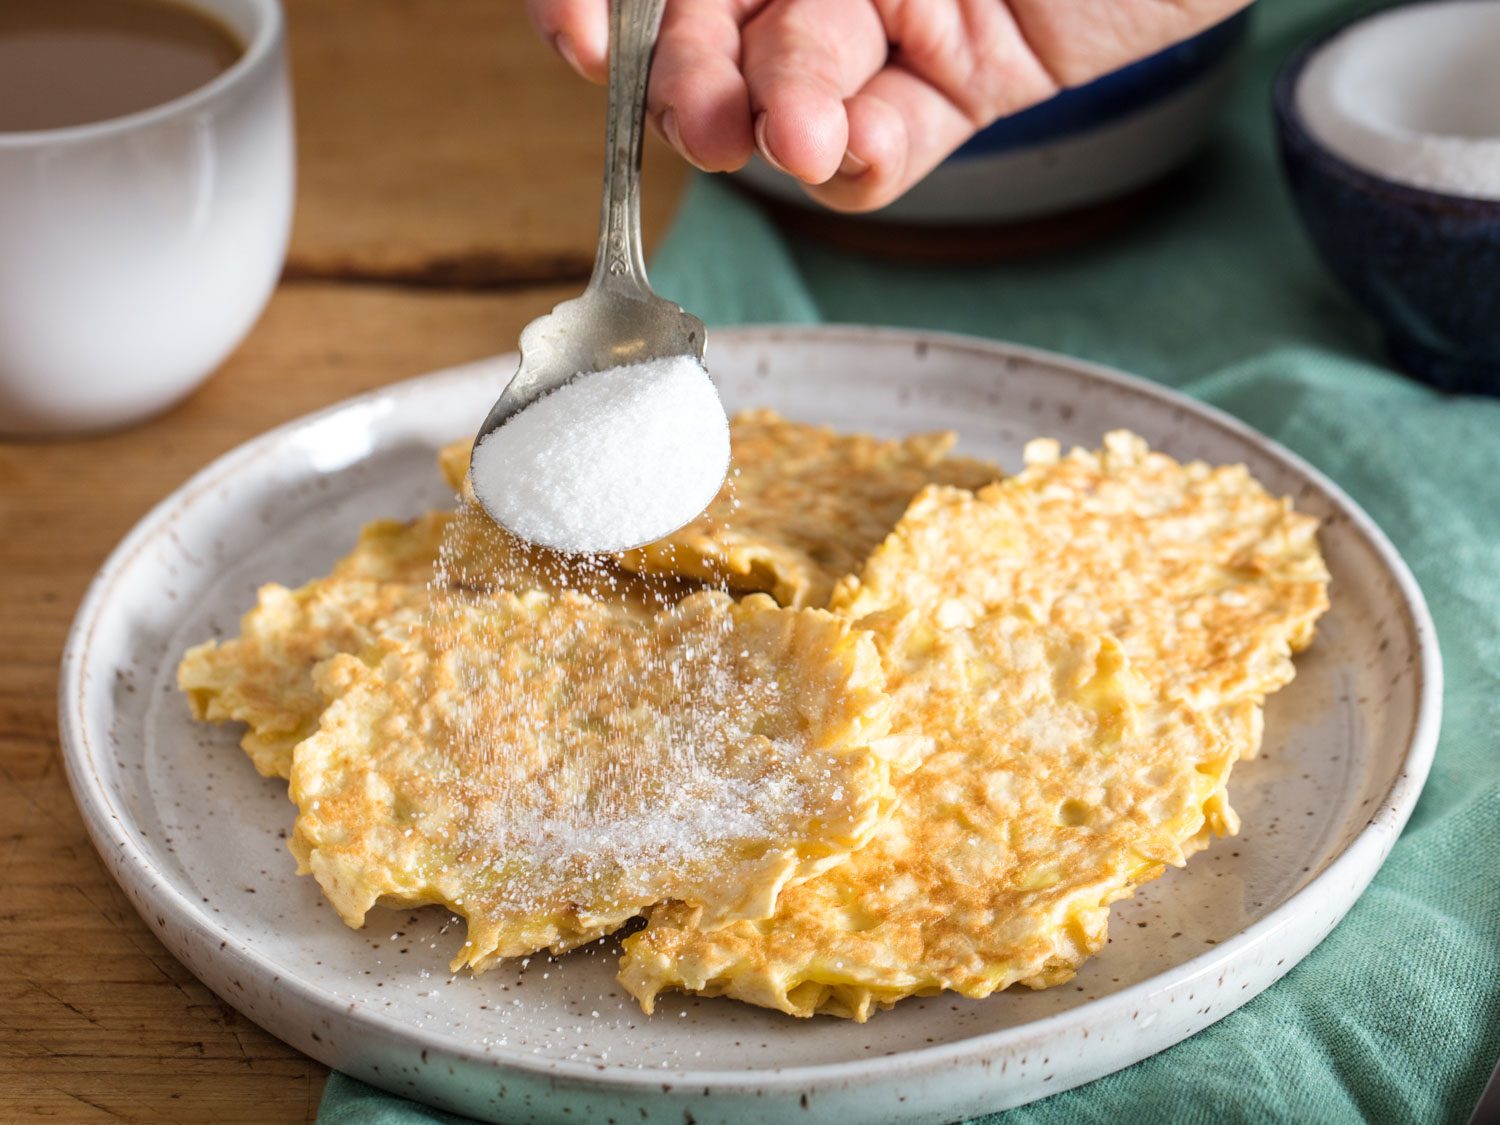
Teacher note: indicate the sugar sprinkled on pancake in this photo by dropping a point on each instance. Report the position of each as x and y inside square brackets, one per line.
[549, 766]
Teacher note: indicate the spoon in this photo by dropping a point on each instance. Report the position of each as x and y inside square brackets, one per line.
[619, 319]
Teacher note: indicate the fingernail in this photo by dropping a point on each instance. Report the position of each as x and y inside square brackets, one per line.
[562, 43]
[765, 149]
[673, 133]
[852, 165]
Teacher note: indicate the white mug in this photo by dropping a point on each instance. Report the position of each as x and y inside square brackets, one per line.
[135, 253]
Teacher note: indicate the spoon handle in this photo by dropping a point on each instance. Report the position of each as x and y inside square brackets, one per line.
[620, 263]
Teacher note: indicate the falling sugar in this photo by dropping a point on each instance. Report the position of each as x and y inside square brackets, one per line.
[658, 787]
[611, 460]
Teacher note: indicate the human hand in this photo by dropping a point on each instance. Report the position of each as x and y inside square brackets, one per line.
[859, 99]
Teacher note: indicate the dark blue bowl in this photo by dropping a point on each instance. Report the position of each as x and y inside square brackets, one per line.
[1057, 173]
[1116, 95]
[1425, 265]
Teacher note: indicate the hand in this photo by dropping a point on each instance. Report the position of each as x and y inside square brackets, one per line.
[859, 99]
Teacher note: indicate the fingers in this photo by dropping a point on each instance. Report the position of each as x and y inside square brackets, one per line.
[900, 128]
[578, 31]
[955, 69]
[698, 98]
[807, 81]
[801, 59]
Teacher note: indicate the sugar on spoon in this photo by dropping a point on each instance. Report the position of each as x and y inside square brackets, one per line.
[610, 435]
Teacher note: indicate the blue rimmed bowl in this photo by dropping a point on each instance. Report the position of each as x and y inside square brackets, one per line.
[1424, 264]
[1081, 149]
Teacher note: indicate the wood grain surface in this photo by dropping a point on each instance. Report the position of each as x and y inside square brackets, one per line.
[442, 150]
[439, 144]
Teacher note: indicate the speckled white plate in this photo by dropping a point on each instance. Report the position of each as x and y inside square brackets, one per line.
[196, 838]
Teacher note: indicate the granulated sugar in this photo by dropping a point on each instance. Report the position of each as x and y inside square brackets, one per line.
[612, 460]
[598, 757]
[630, 836]
[1413, 95]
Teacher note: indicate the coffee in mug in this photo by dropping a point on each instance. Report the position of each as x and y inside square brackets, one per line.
[74, 62]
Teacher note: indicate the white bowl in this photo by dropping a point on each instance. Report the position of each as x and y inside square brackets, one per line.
[188, 828]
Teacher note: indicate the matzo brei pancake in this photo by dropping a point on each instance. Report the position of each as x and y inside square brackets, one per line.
[803, 507]
[1209, 581]
[548, 766]
[1058, 782]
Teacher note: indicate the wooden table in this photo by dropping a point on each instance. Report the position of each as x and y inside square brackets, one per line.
[449, 187]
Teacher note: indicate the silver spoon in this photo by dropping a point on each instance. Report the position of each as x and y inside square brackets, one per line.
[619, 319]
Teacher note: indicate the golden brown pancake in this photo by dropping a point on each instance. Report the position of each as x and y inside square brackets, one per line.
[1209, 581]
[549, 766]
[263, 677]
[1057, 782]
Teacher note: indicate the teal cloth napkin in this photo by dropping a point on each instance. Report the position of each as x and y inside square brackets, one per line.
[1396, 1016]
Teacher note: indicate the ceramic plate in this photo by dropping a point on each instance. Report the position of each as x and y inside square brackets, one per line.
[198, 840]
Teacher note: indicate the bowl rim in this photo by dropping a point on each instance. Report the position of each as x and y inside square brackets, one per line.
[1118, 94]
[1295, 131]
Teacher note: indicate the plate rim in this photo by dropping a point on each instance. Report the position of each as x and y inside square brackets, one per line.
[1352, 867]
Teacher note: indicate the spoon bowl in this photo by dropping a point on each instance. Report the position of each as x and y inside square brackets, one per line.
[607, 326]
[619, 319]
